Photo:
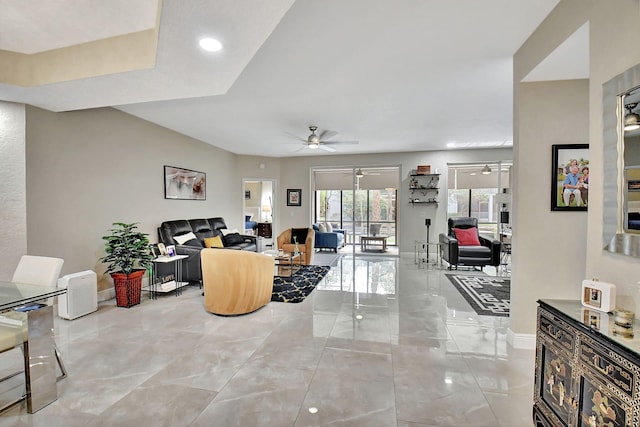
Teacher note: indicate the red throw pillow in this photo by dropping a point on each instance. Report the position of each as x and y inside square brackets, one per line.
[467, 236]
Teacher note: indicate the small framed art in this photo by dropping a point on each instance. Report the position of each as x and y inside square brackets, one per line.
[171, 250]
[162, 249]
[294, 197]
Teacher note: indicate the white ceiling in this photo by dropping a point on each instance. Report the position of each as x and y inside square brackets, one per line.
[397, 75]
[48, 25]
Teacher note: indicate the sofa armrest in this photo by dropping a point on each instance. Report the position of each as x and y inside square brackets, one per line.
[249, 239]
[191, 265]
[450, 248]
[495, 247]
[446, 239]
[310, 243]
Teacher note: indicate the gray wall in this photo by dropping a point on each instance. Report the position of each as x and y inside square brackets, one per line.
[549, 247]
[13, 202]
[88, 169]
[612, 23]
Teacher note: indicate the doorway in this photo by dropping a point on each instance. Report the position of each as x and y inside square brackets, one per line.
[258, 210]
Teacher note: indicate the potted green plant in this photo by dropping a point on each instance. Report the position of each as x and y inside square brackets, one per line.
[127, 258]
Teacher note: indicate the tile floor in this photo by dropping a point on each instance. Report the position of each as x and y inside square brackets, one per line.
[405, 349]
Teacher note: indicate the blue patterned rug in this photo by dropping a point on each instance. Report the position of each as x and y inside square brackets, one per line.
[297, 287]
[489, 296]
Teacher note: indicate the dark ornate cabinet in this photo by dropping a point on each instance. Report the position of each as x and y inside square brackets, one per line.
[587, 369]
[264, 229]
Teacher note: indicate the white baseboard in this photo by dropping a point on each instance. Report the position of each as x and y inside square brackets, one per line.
[522, 341]
[106, 294]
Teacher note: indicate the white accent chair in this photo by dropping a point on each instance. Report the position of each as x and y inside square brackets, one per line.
[38, 270]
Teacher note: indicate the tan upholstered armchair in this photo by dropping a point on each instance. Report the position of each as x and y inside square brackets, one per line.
[306, 248]
[236, 282]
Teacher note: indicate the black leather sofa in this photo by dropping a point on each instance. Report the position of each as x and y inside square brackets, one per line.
[202, 229]
[487, 253]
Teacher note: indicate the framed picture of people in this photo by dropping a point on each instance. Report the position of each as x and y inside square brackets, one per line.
[569, 177]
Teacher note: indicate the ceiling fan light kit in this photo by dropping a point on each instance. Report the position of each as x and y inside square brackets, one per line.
[631, 119]
[315, 141]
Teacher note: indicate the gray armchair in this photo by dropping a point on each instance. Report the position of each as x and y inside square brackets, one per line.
[454, 253]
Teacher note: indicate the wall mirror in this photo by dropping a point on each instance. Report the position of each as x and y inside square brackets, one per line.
[621, 163]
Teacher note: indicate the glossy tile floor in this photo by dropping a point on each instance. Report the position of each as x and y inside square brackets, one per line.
[405, 349]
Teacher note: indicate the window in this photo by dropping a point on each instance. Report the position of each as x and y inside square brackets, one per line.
[473, 194]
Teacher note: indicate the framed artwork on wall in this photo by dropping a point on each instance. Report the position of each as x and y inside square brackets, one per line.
[294, 197]
[184, 184]
[569, 177]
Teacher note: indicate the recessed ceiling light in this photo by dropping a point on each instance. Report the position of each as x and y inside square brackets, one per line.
[210, 45]
[313, 410]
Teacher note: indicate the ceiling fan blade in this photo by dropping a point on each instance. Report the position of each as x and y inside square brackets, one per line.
[340, 142]
[327, 134]
[325, 148]
[296, 137]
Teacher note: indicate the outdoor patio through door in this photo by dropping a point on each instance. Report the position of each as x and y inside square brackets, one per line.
[372, 205]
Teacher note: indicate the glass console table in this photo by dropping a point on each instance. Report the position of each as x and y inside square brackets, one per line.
[20, 308]
[422, 254]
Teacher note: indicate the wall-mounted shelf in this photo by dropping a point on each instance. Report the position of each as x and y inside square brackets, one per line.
[426, 185]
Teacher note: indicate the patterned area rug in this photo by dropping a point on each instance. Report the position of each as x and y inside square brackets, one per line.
[297, 287]
[489, 296]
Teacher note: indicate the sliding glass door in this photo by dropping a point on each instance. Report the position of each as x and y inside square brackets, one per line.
[371, 209]
[370, 206]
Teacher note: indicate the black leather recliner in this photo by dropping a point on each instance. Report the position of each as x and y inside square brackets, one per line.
[488, 253]
[202, 228]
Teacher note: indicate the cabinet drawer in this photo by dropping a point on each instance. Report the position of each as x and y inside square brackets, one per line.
[559, 332]
[606, 365]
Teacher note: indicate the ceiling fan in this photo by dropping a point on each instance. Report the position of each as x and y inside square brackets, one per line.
[315, 140]
[361, 174]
